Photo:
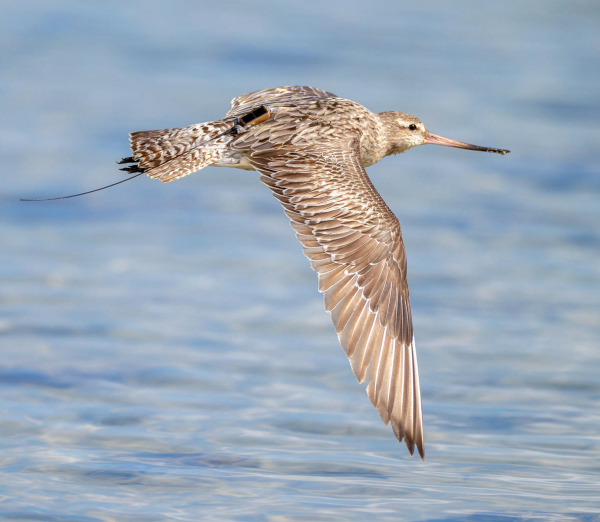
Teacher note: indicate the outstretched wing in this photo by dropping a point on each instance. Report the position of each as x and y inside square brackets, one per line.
[354, 242]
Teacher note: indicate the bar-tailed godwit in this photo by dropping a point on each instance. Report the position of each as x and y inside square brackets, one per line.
[311, 149]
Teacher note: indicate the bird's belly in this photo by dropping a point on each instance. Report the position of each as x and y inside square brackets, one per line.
[236, 160]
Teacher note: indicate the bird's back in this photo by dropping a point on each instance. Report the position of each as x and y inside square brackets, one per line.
[302, 115]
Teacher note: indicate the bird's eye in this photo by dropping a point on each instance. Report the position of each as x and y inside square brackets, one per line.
[412, 126]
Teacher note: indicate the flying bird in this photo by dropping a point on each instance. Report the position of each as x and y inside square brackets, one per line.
[311, 148]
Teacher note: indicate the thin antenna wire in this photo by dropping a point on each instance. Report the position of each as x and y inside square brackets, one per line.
[232, 130]
[124, 180]
[88, 192]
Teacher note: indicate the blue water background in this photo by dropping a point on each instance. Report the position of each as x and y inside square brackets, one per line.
[164, 350]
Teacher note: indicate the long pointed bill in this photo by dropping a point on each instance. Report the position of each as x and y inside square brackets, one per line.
[434, 139]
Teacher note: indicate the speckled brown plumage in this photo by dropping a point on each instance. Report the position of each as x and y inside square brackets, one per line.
[312, 153]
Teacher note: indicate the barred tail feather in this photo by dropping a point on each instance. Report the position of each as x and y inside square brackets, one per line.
[170, 154]
[186, 164]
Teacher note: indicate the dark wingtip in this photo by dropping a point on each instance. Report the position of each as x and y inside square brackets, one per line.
[126, 160]
[411, 444]
[133, 169]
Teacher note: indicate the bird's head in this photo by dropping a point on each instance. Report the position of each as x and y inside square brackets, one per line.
[405, 132]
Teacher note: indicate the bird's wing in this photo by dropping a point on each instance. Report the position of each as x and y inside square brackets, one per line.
[354, 242]
[277, 97]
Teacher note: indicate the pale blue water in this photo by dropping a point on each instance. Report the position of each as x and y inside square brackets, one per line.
[164, 350]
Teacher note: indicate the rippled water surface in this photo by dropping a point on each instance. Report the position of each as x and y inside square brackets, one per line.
[165, 354]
